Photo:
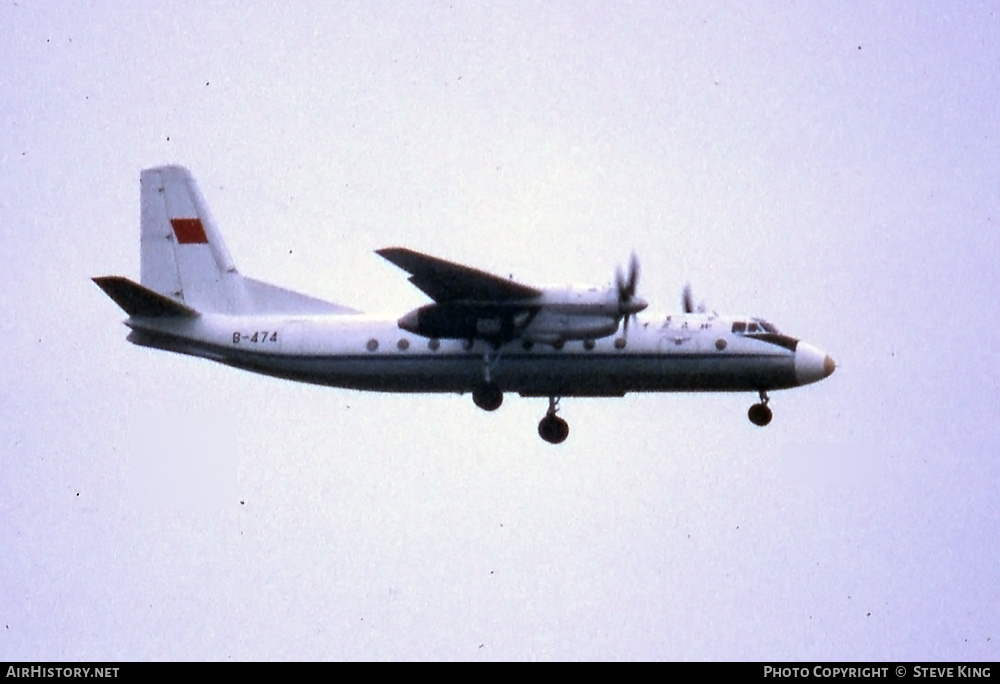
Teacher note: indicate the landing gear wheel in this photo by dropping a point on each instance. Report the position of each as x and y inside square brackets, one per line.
[759, 414]
[553, 429]
[487, 396]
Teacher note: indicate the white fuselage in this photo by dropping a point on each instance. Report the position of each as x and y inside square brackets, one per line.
[685, 352]
[496, 335]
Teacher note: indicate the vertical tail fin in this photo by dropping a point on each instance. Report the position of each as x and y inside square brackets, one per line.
[183, 260]
[182, 253]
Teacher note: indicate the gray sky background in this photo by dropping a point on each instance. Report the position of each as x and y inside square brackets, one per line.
[829, 166]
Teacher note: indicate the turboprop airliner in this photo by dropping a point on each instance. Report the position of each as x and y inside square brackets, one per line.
[482, 334]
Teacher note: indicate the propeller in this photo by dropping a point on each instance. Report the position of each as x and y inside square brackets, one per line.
[628, 304]
[688, 299]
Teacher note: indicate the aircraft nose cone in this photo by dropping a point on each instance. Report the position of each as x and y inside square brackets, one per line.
[812, 364]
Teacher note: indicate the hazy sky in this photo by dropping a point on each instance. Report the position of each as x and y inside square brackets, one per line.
[830, 166]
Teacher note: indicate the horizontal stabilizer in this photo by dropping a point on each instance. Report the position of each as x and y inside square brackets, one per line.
[139, 301]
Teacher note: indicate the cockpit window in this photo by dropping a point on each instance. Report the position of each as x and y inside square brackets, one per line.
[758, 325]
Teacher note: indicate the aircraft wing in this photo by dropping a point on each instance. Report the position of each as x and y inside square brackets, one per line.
[446, 282]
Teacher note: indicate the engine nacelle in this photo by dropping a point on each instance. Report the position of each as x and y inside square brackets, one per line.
[553, 328]
[466, 321]
[476, 321]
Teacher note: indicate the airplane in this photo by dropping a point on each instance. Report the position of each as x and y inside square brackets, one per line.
[483, 334]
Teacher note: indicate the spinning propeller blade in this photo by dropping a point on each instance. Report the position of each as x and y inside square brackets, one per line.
[688, 299]
[628, 304]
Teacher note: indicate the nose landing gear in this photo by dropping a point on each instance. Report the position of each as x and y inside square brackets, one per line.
[552, 428]
[760, 414]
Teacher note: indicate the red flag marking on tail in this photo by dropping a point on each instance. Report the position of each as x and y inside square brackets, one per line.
[189, 231]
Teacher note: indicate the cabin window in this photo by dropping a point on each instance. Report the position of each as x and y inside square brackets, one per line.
[588, 345]
[403, 344]
[372, 345]
[620, 343]
[434, 344]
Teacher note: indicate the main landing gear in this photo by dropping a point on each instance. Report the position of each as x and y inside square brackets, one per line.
[760, 414]
[487, 395]
[552, 428]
